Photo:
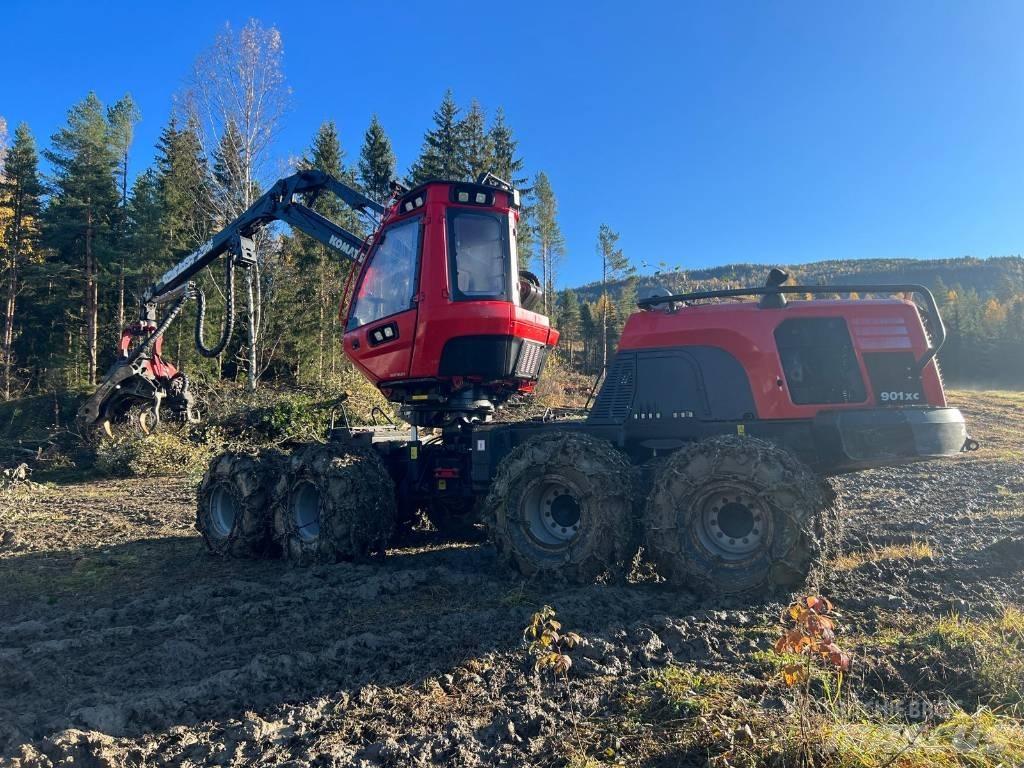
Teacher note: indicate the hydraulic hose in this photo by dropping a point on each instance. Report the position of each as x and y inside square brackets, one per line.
[228, 325]
[147, 345]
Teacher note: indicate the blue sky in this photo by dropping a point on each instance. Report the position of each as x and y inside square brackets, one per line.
[705, 133]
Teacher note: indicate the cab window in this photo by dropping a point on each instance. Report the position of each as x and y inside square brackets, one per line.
[389, 281]
[478, 254]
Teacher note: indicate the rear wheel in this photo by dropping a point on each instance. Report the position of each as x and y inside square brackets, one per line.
[560, 504]
[233, 513]
[733, 515]
[333, 503]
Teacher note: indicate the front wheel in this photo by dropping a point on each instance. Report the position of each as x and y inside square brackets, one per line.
[733, 515]
[560, 504]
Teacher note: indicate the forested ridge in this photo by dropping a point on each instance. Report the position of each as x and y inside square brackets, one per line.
[982, 303]
[80, 241]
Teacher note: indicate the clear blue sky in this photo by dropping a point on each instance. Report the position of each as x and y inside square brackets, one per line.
[705, 133]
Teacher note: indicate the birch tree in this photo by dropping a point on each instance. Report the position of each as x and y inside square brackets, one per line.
[238, 96]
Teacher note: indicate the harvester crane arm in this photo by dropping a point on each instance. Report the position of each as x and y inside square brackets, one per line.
[140, 375]
[277, 204]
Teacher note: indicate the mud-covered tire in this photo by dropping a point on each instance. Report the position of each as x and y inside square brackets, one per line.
[234, 504]
[737, 515]
[333, 503]
[561, 478]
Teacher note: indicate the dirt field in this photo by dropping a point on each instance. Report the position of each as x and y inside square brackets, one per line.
[123, 643]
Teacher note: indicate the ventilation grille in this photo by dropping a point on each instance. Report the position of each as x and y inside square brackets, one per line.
[531, 356]
[615, 399]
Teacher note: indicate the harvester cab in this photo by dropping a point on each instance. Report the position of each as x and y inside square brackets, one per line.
[442, 320]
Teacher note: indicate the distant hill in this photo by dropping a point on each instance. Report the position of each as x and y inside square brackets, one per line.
[1000, 276]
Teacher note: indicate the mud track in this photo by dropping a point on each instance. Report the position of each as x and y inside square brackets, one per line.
[123, 643]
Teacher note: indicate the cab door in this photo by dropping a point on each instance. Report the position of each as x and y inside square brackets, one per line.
[381, 328]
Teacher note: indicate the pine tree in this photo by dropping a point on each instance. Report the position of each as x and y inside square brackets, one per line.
[122, 118]
[614, 265]
[549, 236]
[84, 205]
[20, 200]
[441, 156]
[376, 162]
[476, 151]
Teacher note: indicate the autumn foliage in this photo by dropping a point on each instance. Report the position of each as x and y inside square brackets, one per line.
[549, 643]
[811, 636]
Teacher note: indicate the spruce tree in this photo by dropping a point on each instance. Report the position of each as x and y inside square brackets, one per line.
[83, 207]
[20, 204]
[229, 175]
[441, 156]
[149, 248]
[376, 162]
[476, 151]
[507, 165]
[548, 235]
[504, 162]
[322, 271]
[184, 182]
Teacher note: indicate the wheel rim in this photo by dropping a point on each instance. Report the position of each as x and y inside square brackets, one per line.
[551, 512]
[732, 523]
[305, 508]
[223, 512]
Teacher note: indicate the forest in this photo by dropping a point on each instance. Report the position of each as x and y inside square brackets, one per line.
[80, 240]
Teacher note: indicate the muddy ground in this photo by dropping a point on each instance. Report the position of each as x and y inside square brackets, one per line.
[123, 643]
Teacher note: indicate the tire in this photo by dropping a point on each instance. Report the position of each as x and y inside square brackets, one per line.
[234, 504]
[333, 503]
[737, 515]
[560, 505]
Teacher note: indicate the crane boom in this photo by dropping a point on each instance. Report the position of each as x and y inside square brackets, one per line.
[141, 377]
[277, 204]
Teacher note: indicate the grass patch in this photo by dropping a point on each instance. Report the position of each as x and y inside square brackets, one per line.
[914, 551]
[996, 646]
[677, 693]
[980, 661]
[983, 739]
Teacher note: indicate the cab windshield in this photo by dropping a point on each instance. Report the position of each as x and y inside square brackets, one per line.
[389, 282]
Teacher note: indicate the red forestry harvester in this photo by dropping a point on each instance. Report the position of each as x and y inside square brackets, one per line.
[708, 443]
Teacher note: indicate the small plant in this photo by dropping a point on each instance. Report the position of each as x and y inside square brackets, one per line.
[811, 636]
[551, 646]
[548, 643]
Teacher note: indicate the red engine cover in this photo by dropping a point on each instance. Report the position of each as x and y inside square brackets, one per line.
[747, 332]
